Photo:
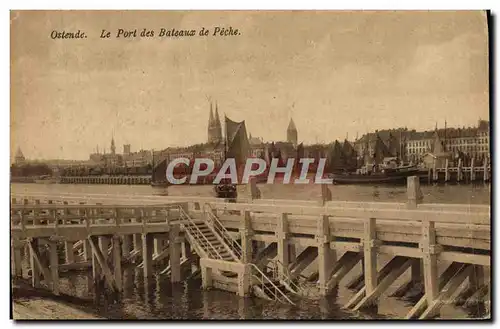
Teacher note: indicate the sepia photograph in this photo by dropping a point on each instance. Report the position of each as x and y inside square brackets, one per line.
[250, 165]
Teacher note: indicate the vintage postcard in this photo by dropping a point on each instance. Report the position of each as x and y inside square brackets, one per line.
[221, 165]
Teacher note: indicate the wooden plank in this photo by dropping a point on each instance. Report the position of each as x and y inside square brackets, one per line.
[429, 262]
[98, 254]
[54, 267]
[370, 255]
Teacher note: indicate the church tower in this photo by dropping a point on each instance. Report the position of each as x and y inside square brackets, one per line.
[291, 133]
[113, 148]
[218, 126]
[214, 126]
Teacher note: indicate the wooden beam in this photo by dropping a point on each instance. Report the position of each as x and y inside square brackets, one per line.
[428, 246]
[117, 262]
[54, 267]
[37, 266]
[98, 254]
[383, 285]
[370, 255]
[147, 254]
[448, 290]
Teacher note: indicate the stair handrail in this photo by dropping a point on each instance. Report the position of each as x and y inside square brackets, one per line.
[284, 275]
[262, 277]
[223, 232]
[185, 216]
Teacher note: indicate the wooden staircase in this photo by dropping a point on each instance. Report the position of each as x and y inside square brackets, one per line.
[211, 240]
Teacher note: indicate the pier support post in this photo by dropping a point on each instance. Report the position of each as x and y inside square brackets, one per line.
[36, 271]
[485, 170]
[54, 267]
[147, 254]
[459, 171]
[414, 192]
[326, 195]
[206, 276]
[472, 170]
[68, 249]
[435, 174]
[429, 250]
[446, 171]
[175, 253]
[253, 190]
[246, 237]
[117, 262]
[137, 240]
[17, 266]
[104, 243]
[87, 251]
[370, 255]
[326, 256]
[126, 245]
[244, 281]
[282, 240]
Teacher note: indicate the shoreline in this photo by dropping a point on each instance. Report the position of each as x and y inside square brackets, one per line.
[28, 303]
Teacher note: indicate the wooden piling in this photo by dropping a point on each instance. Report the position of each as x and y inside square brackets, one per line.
[36, 271]
[253, 191]
[370, 255]
[459, 171]
[117, 262]
[435, 173]
[414, 192]
[246, 237]
[147, 254]
[175, 253]
[485, 170]
[429, 250]
[16, 259]
[472, 170]
[282, 240]
[126, 245]
[446, 171]
[54, 266]
[326, 256]
[68, 249]
[326, 195]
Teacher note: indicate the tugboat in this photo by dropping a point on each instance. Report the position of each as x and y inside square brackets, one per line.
[387, 173]
[226, 190]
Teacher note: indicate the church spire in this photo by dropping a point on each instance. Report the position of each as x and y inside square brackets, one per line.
[217, 120]
[211, 118]
[113, 148]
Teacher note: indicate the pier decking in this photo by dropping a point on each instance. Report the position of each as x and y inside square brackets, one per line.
[262, 247]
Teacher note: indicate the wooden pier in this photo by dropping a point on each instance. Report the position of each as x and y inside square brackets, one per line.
[471, 174]
[109, 180]
[262, 247]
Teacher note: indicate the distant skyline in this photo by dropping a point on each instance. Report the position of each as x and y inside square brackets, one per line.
[335, 73]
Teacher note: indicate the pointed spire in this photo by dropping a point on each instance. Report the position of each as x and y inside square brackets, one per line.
[211, 118]
[291, 125]
[217, 119]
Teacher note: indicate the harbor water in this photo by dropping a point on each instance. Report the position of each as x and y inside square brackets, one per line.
[157, 298]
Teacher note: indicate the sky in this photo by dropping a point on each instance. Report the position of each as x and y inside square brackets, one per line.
[336, 73]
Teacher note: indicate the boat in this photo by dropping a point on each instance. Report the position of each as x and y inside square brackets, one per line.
[377, 175]
[225, 189]
[45, 179]
[159, 184]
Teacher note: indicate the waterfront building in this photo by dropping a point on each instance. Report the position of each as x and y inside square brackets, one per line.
[470, 142]
[412, 145]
